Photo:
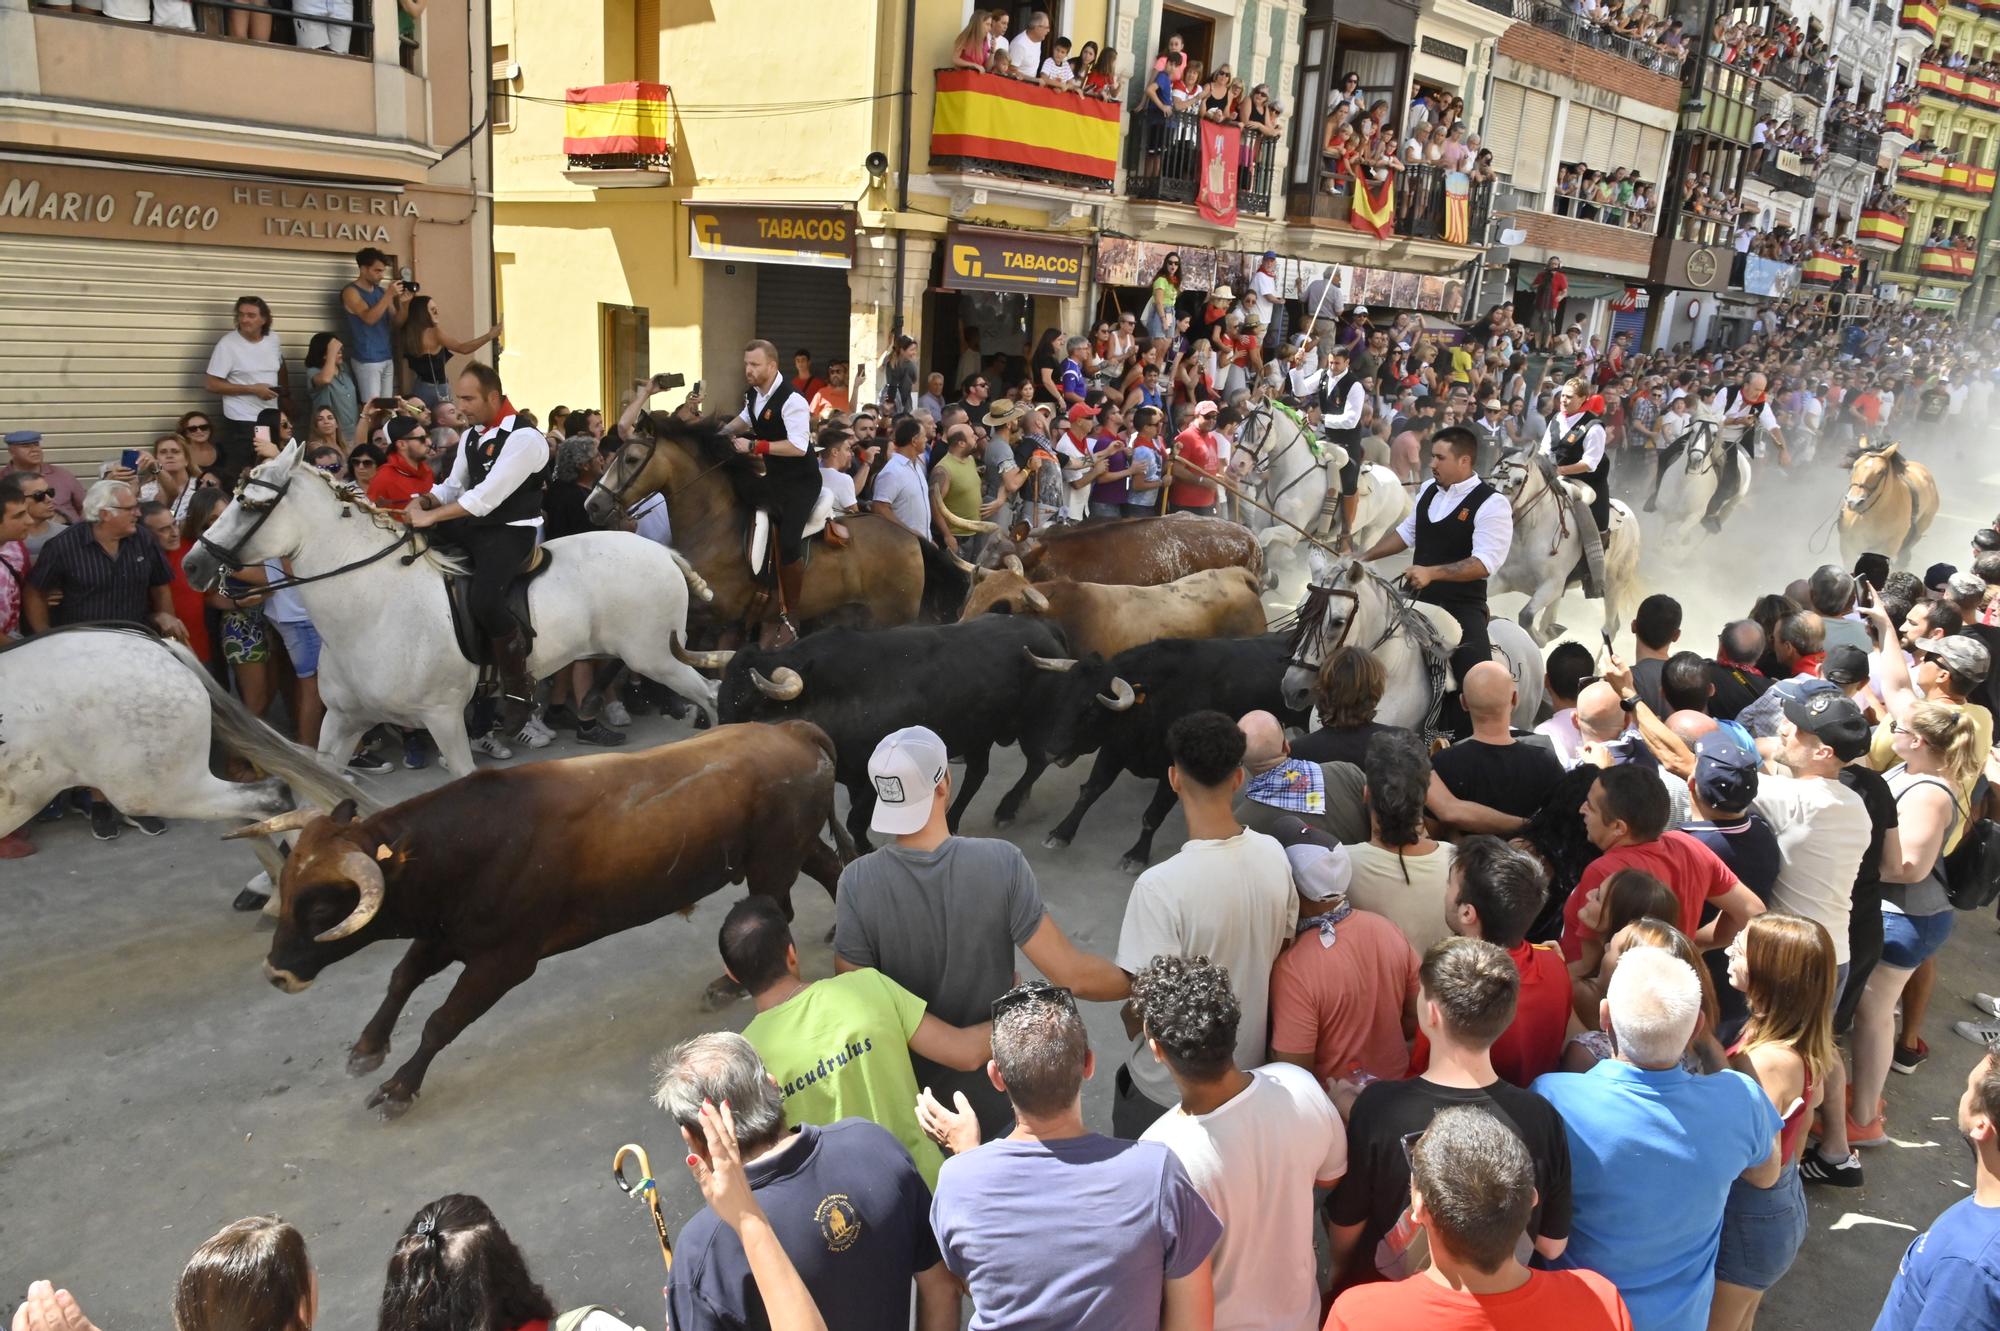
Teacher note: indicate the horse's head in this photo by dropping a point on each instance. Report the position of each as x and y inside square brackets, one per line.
[257, 525]
[664, 455]
[1511, 473]
[1335, 600]
[1871, 471]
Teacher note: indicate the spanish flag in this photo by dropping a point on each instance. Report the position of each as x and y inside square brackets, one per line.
[994, 119]
[1883, 228]
[1374, 209]
[1457, 208]
[1922, 16]
[617, 118]
[1822, 269]
[1937, 262]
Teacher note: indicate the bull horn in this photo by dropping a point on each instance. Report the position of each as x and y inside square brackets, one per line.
[366, 875]
[1036, 599]
[292, 820]
[1012, 563]
[1122, 697]
[699, 660]
[785, 683]
[1055, 663]
[963, 566]
[981, 574]
[978, 528]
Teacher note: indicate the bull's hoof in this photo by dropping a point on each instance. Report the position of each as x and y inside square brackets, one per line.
[721, 992]
[1132, 864]
[392, 1100]
[360, 1064]
[1055, 841]
[1004, 817]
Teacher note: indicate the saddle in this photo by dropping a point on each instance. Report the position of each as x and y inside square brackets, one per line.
[820, 523]
[458, 592]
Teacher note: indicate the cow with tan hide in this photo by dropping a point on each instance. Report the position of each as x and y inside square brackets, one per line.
[511, 865]
[1128, 552]
[1105, 619]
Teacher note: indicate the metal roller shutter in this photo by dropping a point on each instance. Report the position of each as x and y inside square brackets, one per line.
[103, 343]
[805, 307]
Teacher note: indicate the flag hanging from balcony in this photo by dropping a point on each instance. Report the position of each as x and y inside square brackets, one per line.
[986, 118]
[1457, 208]
[617, 118]
[1374, 206]
[1215, 177]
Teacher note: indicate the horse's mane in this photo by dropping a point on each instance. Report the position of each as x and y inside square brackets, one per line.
[702, 437]
[1404, 615]
[354, 497]
[1897, 462]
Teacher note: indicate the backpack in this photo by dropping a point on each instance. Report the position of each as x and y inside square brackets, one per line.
[1972, 870]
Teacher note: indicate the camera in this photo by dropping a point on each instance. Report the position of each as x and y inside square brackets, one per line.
[662, 382]
[407, 276]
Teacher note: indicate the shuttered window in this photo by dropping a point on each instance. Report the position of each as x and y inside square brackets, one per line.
[1521, 122]
[1605, 141]
[646, 40]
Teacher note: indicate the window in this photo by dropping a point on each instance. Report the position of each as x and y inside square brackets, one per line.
[625, 333]
[505, 75]
[1520, 122]
[646, 40]
[1197, 34]
[1604, 140]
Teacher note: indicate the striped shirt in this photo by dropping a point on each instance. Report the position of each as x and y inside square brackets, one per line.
[98, 586]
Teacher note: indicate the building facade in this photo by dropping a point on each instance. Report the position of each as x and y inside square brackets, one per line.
[150, 174]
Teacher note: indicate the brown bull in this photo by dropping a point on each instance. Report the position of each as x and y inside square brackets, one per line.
[1098, 617]
[508, 866]
[1130, 552]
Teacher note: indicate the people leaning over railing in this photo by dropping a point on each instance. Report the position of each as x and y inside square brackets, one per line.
[1617, 197]
[315, 25]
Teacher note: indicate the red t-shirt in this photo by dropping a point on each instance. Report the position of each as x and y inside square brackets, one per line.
[1533, 1043]
[1692, 870]
[1197, 450]
[396, 483]
[189, 607]
[1569, 1300]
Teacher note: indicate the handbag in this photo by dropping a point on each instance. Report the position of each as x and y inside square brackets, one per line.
[1972, 870]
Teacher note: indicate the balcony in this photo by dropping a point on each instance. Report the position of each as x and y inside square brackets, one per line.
[1900, 118]
[1946, 260]
[987, 124]
[1829, 264]
[1852, 141]
[1882, 229]
[1167, 162]
[1936, 172]
[1425, 206]
[619, 135]
[1788, 172]
[1582, 208]
[1566, 23]
[1920, 16]
[1958, 87]
[1800, 76]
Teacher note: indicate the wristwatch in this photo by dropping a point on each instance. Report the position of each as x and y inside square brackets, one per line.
[1629, 701]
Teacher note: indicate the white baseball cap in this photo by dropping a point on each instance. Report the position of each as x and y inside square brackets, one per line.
[905, 770]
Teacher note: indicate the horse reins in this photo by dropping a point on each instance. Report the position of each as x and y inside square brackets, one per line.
[231, 556]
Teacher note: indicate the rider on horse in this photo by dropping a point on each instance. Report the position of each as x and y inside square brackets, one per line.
[1574, 445]
[775, 426]
[490, 506]
[1744, 411]
[1343, 398]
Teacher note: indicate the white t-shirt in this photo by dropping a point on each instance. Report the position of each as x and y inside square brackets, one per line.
[1254, 1161]
[1823, 830]
[1563, 736]
[1024, 53]
[1415, 907]
[1075, 464]
[1231, 901]
[238, 360]
[1053, 68]
[1264, 293]
[841, 486]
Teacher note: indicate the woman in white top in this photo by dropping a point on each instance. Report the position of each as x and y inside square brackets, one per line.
[1400, 872]
[174, 478]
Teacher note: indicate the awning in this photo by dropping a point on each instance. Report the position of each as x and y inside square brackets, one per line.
[1392, 18]
[1581, 286]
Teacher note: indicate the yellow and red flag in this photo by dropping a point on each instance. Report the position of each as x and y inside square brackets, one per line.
[1457, 208]
[1374, 209]
[617, 118]
[994, 119]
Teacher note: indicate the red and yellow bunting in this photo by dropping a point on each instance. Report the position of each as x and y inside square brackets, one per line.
[1900, 118]
[1922, 16]
[989, 118]
[1822, 269]
[618, 118]
[1880, 227]
[1939, 262]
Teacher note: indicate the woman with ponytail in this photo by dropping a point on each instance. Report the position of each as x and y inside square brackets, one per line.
[455, 1269]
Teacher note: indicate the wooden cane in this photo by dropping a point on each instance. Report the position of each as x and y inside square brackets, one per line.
[646, 1188]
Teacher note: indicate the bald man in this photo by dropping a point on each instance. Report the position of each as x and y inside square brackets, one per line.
[1326, 796]
[1493, 768]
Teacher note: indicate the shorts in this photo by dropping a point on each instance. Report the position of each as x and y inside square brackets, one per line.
[1910, 940]
[301, 644]
[1762, 1229]
[245, 640]
[1142, 510]
[1106, 511]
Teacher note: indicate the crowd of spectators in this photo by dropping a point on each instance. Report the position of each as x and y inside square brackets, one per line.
[1769, 137]
[1034, 55]
[1855, 116]
[1944, 53]
[340, 26]
[1654, 38]
[1617, 197]
[1706, 206]
[1756, 48]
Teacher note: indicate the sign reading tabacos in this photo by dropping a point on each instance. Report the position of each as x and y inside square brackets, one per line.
[136, 205]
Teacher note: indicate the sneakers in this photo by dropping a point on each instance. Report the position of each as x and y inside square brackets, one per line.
[103, 822]
[559, 716]
[368, 764]
[1987, 1003]
[616, 715]
[416, 753]
[534, 734]
[596, 732]
[1861, 1135]
[1906, 1060]
[492, 746]
[146, 823]
[1816, 1168]
[1981, 1033]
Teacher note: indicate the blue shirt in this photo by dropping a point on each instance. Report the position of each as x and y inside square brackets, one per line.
[1950, 1277]
[368, 344]
[1074, 1233]
[901, 486]
[1748, 846]
[1072, 378]
[1652, 1156]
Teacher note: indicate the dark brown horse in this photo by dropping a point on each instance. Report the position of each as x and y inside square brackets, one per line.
[884, 575]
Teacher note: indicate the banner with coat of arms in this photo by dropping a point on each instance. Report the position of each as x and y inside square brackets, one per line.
[1221, 156]
[1457, 208]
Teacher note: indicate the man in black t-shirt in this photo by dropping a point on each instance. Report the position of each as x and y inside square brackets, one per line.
[1733, 673]
[1466, 996]
[1492, 768]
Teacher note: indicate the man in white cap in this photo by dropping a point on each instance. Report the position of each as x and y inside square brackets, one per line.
[941, 914]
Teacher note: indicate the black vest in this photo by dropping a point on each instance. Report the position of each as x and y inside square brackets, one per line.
[1334, 404]
[769, 425]
[523, 504]
[1446, 541]
[1568, 451]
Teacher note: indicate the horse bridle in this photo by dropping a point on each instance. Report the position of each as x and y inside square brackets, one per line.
[1313, 614]
[1262, 464]
[1874, 493]
[231, 556]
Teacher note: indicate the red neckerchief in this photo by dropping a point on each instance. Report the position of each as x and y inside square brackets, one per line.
[1809, 664]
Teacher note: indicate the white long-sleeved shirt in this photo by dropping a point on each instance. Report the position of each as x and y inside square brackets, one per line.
[1492, 525]
[1735, 421]
[1348, 416]
[796, 414]
[525, 453]
[1593, 438]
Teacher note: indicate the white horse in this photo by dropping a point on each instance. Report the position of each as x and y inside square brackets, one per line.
[1284, 473]
[69, 721]
[390, 653]
[1548, 547]
[1349, 605]
[1689, 484]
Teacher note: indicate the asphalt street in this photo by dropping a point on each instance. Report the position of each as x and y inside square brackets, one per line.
[157, 1087]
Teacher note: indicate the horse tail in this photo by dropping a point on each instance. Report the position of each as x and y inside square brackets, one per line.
[946, 585]
[696, 583]
[311, 781]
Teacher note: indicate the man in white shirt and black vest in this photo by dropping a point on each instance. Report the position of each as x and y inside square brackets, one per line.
[1343, 399]
[490, 505]
[1458, 534]
[775, 426]
[1746, 415]
[1574, 444]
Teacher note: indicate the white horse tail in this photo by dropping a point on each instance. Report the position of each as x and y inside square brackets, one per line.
[1621, 567]
[242, 733]
[696, 583]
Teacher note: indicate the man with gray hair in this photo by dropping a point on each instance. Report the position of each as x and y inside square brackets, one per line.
[1134, 1238]
[1655, 1150]
[844, 1201]
[106, 567]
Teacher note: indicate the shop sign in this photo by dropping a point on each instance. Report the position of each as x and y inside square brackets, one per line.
[803, 235]
[108, 204]
[1010, 261]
